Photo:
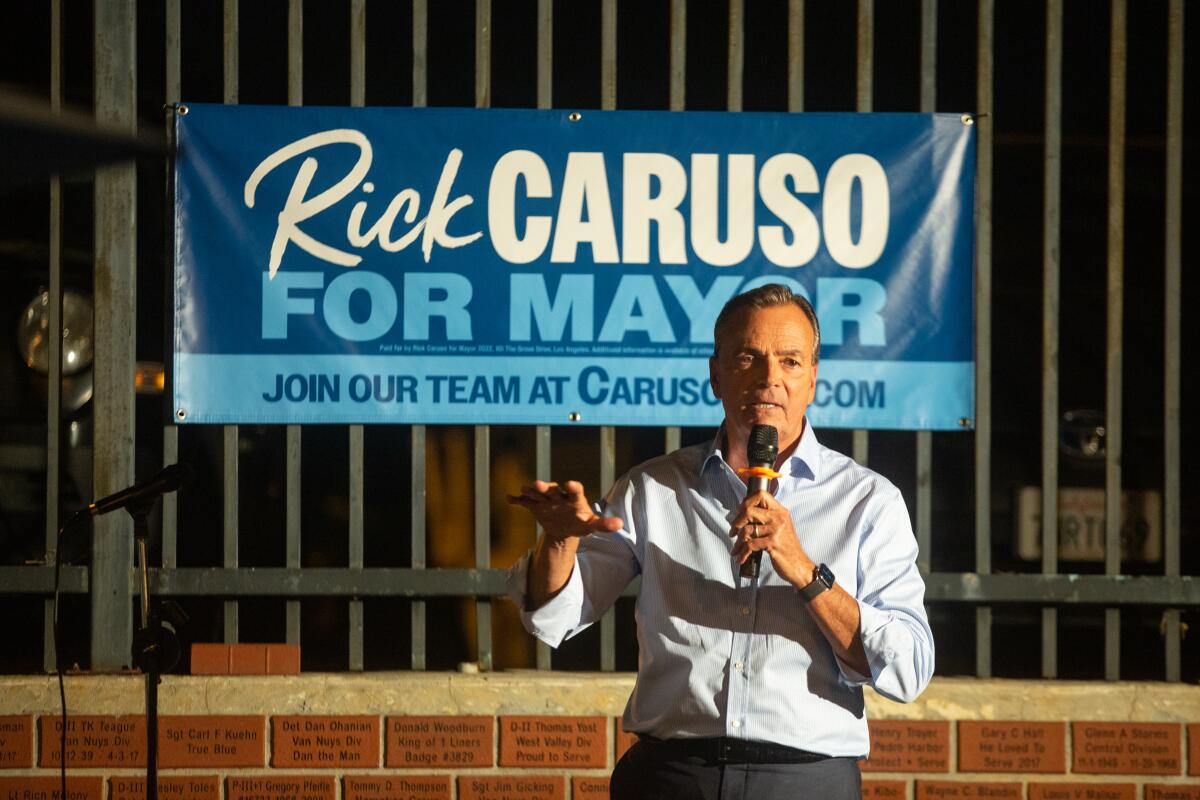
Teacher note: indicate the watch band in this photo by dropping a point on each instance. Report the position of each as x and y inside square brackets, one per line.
[822, 580]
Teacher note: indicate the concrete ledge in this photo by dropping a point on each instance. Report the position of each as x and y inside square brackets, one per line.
[578, 693]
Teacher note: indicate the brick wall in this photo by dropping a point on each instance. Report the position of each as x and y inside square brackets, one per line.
[529, 736]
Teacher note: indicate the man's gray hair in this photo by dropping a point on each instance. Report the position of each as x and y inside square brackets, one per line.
[768, 296]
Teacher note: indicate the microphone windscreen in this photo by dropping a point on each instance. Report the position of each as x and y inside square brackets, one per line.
[763, 445]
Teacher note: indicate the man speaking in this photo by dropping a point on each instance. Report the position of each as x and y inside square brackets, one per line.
[748, 686]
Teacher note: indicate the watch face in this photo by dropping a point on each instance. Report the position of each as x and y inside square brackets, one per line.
[825, 576]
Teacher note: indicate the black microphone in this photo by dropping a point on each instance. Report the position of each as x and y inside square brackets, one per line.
[168, 480]
[762, 448]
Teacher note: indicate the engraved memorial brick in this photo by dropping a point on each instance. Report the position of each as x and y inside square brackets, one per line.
[175, 787]
[49, 787]
[16, 741]
[586, 787]
[212, 741]
[1172, 791]
[884, 790]
[1012, 746]
[511, 787]
[94, 741]
[954, 790]
[1082, 791]
[1193, 749]
[396, 787]
[300, 787]
[622, 741]
[316, 742]
[906, 746]
[1126, 748]
[553, 742]
[424, 742]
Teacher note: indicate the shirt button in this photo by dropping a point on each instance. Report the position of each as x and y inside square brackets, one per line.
[738, 666]
[737, 723]
[745, 611]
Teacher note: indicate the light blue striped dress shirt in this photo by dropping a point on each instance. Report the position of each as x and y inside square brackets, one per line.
[723, 655]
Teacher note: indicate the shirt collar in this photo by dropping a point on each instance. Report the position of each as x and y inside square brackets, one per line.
[803, 463]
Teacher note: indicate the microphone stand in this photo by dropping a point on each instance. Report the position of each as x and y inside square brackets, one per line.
[147, 644]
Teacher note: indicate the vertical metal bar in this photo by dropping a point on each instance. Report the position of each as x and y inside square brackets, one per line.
[292, 501]
[1051, 225]
[924, 501]
[983, 328]
[608, 469]
[1116, 288]
[229, 52]
[358, 90]
[420, 74]
[355, 554]
[864, 90]
[1172, 313]
[678, 97]
[678, 60]
[420, 48]
[483, 471]
[608, 434]
[608, 54]
[928, 56]
[172, 45]
[924, 466]
[483, 541]
[545, 96]
[229, 460]
[229, 526]
[865, 71]
[173, 89]
[417, 491]
[542, 470]
[545, 53]
[736, 56]
[170, 501]
[295, 52]
[795, 73]
[54, 363]
[483, 53]
[115, 214]
[295, 91]
[358, 52]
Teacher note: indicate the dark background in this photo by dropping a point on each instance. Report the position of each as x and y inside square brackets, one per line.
[642, 83]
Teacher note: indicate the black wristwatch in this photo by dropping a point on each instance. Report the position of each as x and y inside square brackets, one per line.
[822, 580]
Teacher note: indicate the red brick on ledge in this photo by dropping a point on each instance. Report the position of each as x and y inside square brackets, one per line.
[245, 659]
[16, 741]
[170, 787]
[1127, 748]
[1012, 746]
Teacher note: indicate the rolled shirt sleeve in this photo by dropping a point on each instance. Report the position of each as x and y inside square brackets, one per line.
[604, 565]
[894, 626]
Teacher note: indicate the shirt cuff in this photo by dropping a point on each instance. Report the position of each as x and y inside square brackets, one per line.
[559, 616]
[877, 642]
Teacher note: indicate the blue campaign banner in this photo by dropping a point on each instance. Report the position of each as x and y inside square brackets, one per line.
[514, 266]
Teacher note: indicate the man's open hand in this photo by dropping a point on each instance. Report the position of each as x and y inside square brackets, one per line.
[563, 511]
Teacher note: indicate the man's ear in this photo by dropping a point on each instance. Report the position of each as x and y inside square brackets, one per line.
[712, 377]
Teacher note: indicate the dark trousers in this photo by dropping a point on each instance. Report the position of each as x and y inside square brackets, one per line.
[647, 772]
